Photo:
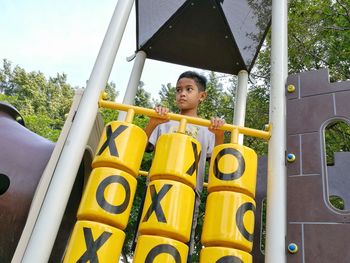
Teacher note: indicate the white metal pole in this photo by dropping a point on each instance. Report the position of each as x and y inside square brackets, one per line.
[134, 80]
[276, 182]
[241, 102]
[51, 213]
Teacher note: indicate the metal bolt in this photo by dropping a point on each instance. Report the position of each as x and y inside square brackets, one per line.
[266, 127]
[105, 96]
[293, 248]
[290, 157]
[291, 88]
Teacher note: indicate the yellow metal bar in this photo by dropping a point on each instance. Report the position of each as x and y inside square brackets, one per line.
[234, 136]
[177, 117]
[143, 173]
[130, 116]
[182, 126]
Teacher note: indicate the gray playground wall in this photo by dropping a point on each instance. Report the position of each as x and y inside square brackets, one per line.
[321, 232]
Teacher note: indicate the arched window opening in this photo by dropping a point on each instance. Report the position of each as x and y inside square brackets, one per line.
[337, 157]
[4, 183]
[337, 139]
[337, 202]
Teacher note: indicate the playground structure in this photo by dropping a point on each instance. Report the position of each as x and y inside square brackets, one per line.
[154, 43]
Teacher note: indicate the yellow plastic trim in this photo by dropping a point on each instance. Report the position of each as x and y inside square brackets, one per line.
[178, 117]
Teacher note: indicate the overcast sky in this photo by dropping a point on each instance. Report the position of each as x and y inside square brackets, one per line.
[65, 36]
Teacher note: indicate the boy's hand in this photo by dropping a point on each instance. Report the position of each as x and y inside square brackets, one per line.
[162, 111]
[216, 123]
[155, 121]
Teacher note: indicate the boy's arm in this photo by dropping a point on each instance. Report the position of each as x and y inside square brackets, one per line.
[150, 127]
[216, 123]
[153, 123]
[219, 139]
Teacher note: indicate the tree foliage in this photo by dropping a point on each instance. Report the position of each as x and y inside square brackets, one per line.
[167, 96]
[337, 139]
[319, 36]
[42, 102]
[108, 114]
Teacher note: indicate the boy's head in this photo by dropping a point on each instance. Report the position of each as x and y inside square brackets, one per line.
[200, 80]
[190, 92]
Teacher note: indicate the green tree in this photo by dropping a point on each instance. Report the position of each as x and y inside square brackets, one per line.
[167, 96]
[143, 98]
[42, 102]
[109, 115]
[337, 139]
[257, 115]
[318, 37]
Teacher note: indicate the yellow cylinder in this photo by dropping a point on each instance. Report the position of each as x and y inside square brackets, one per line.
[121, 146]
[168, 210]
[223, 254]
[94, 242]
[108, 197]
[229, 221]
[233, 167]
[154, 249]
[176, 158]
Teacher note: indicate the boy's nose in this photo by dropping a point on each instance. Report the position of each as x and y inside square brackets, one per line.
[182, 92]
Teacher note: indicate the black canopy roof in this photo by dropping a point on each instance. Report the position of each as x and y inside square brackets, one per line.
[219, 35]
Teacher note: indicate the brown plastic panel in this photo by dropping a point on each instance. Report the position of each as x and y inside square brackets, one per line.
[342, 103]
[326, 243]
[295, 235]
[260, 195]
[304, 115]
[321, 231]
[338, 177]
[23, 157]
[293, 146]
[306, 203]
[311, 153]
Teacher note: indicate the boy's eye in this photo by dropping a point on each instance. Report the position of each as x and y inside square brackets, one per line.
[189, 89]
[178, 90]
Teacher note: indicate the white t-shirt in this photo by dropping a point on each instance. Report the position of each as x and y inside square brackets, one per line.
[200, 133]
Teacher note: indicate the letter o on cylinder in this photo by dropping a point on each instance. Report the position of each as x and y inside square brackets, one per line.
[229, 221]
[233, 167]
[108, 197]
[156, 249]
[223, 255]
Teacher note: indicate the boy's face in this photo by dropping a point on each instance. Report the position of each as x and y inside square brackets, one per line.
[188, 96]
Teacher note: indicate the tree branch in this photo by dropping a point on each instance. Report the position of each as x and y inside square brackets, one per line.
[347, 11]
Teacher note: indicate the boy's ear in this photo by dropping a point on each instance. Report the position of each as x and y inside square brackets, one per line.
[202, 96]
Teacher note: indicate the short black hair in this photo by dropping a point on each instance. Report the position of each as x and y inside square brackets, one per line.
[200, 80]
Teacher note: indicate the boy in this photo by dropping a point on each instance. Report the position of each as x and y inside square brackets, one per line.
[190, 92]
